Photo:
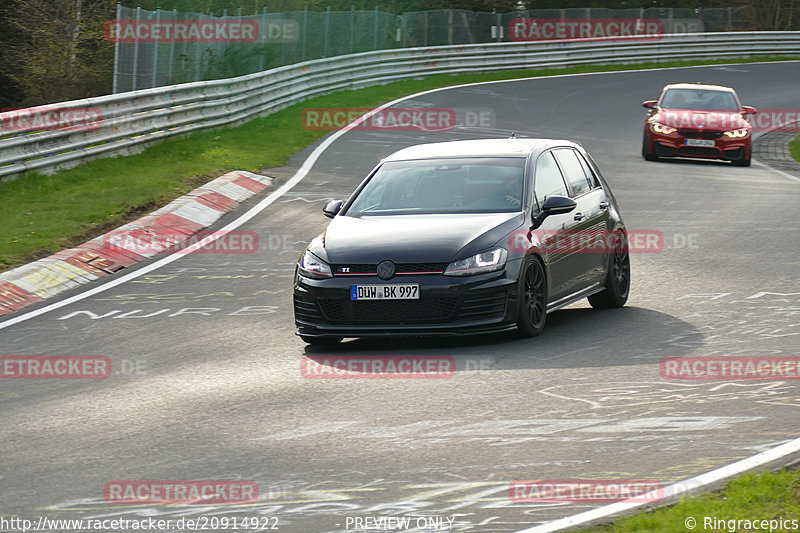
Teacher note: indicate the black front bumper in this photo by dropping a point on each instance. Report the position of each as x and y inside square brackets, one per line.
[447, 306]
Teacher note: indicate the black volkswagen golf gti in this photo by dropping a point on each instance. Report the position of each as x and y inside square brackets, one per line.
[464, 237]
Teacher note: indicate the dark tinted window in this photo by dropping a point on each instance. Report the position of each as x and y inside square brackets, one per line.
[549, 181]
[699, 99]
[590, 175]
[573, 171]
[464, 185]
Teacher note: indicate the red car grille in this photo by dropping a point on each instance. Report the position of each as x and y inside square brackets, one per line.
[690, 134]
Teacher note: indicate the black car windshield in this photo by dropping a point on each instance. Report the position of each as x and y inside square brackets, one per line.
[464, 185]
[702, 99]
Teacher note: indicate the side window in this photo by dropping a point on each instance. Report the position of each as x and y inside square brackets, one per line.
[589, 172]
[573, 170]
[549, 181]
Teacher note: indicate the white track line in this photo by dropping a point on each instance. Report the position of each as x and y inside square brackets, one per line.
[776, 171]
[671, 491]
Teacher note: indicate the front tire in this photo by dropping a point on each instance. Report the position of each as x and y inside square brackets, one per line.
[649, 156]
[618, 277]
[532, 300]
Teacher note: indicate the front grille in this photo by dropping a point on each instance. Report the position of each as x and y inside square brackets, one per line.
[698, 150]
[405, 268]
[306, 309]
[705, 134]
[483, 307]
[402, 268]
[332, 309]
[425, 310]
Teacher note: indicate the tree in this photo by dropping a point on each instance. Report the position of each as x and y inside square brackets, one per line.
[770, 14]
[58, 52]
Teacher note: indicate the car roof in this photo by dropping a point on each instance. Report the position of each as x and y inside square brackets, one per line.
[699, 86]
[476, 148]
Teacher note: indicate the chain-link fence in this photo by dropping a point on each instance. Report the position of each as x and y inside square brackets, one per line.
[157, 48]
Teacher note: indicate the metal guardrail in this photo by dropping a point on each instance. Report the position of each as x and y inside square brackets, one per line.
[126, 122]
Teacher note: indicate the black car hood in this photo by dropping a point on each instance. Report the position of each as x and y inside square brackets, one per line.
[414, 238]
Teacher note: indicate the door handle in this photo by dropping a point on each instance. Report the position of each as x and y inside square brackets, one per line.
[579, 216]
[603, 205]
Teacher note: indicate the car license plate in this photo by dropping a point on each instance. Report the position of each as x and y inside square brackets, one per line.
[699, 142]
[385, 292]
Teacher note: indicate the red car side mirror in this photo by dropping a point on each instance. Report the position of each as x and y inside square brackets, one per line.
[747, 110]
[649, 103]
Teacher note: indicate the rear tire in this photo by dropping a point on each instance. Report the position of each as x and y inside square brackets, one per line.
[618, 277]
[532, 300]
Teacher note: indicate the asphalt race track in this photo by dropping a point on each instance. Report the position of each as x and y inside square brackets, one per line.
[207, 381]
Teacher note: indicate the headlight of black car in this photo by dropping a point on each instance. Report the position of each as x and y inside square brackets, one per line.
[478, 263]
[313, 267]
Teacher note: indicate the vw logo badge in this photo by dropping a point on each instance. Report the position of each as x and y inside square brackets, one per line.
[386, 270]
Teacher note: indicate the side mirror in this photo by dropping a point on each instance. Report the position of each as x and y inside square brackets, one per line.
[747, 110]
[332, 208]
[554, 205]
[650, 104]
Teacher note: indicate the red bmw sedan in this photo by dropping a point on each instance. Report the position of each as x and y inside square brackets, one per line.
[697, 121]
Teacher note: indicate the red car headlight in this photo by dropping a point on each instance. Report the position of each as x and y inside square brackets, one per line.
[661, 128]
[733, 134]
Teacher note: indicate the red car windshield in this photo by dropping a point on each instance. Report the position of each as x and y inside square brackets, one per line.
[700, 99]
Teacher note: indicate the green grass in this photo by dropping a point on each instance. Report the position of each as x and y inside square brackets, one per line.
[794, 148]
[43, 214]
[765, 496]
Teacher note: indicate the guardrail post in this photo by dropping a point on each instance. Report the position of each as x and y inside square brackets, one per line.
[352, 28]
[327, 26]
[449, 26]
[305, 32]
[197, 59]
[260, 31]
[375, 30]
[135, 73]
[153, 78]
[172, 51]
[115, 81]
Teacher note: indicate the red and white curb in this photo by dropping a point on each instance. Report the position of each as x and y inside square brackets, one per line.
[99, 257]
